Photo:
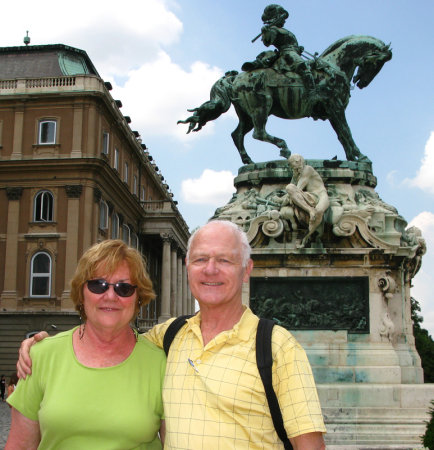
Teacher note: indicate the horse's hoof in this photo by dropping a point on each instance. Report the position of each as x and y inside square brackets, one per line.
[363, 158]
[247, 160]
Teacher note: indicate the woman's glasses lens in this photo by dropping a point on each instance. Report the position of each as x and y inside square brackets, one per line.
[100, 286]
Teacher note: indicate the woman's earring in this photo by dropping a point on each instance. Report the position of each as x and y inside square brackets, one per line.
[82, 326]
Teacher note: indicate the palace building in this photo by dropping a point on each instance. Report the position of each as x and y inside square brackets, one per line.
[73, 173]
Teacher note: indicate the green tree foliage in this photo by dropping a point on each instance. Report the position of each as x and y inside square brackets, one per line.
[424, 342]
[425, 348]
[428, 438]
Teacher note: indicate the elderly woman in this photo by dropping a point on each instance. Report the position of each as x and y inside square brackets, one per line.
[98, 385]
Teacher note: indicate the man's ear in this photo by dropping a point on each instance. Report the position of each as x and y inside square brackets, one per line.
[248, 270]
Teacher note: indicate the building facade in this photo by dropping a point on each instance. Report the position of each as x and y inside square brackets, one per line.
[73, 173]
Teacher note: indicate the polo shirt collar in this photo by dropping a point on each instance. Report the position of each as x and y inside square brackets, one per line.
[241, 329]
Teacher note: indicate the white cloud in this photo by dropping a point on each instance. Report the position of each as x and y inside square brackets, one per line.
[157, 95]
[129, 47]
[425, 221]
[117, 39]
[390, 177]
[211, 188]
[424, 280]
[424, 178]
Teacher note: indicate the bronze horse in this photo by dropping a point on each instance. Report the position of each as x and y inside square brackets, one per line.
[262, 92]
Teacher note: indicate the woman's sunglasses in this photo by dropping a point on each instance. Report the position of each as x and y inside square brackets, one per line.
[100, 286]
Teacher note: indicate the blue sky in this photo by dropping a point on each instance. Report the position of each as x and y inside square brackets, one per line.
[163, 57]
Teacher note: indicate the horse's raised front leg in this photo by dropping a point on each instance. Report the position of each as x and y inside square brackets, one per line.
[339, 123]
[244, 126]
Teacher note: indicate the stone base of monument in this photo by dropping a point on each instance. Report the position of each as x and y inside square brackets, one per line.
[374, 416]
[344, 292]
[372, 394]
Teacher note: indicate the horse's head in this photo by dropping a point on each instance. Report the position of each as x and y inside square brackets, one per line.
[370, 64]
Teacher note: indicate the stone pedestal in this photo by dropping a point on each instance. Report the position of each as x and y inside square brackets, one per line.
[345, 295]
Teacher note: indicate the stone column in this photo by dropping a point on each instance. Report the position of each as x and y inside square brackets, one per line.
[88, 218]
[77, 131]
[185, 292]
[165, 280]
[97, 196]
[72, 229]
[17, 145]
[93, 134]
[9, 294]
[173, 269]
[192, 303]
[179, 308]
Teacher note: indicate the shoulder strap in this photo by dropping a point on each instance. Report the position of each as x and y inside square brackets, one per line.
[264, 360]
[172, 331]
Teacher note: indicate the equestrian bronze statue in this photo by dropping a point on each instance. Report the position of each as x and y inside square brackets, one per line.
[279, 83]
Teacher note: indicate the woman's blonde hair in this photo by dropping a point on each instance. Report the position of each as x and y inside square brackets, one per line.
[108, 255]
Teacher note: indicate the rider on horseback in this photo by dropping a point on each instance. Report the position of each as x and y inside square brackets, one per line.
[289, 51]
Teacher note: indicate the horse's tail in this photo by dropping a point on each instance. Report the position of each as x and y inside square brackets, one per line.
[222, 90]
[219, 103]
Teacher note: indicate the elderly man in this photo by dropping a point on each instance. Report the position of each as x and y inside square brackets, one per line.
[213, 395]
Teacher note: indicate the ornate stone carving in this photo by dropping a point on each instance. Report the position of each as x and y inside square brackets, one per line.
[97, 195]
[14, 193]
[268, 201]
[412, 237]
[74, 191]
[387, 285]
[388, 327]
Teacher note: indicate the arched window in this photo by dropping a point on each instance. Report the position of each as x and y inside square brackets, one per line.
[126, 234]
[43, 207]
[126, 175]
[134, 241]
[115, 226]
[105, 143]
[40, 275]
[47, 132]
[116, 160]
[135, 184]
[103, 215]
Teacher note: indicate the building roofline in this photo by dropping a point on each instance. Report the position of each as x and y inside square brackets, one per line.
[36, 48]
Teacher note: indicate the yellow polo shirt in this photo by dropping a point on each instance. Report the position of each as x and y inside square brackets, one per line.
[214, 397]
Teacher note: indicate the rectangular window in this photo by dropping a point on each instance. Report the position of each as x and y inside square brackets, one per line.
[116, 161]
[115, 226]
[126, 234]
[105, 143]
[47, 132]
[142, 194]
[126, 172]
[135, 185]
[103, 215]
[43, 207]
[134, 241]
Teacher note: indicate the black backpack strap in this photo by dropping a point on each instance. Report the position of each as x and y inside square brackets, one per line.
[172, 331]
[264, 360]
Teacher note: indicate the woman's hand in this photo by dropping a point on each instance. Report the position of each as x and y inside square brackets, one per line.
[24, 364]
